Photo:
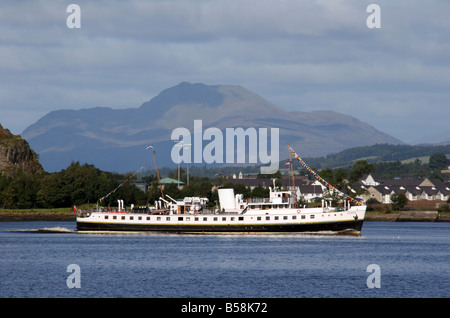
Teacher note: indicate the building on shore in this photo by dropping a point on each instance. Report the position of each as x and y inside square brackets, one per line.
[430, 189]
[414, 189]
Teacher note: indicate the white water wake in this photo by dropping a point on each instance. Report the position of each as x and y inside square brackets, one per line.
[56, 229]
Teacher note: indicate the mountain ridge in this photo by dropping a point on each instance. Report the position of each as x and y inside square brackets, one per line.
[106, 137]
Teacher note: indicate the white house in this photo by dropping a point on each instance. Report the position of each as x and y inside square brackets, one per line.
[414, 189]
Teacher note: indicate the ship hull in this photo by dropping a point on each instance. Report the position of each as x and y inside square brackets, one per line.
[333, 226]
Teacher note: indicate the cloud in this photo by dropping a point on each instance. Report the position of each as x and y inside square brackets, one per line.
[301, 55]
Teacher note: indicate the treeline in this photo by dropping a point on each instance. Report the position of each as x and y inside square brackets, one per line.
[84, 184]
[76, 185]
[415, 169]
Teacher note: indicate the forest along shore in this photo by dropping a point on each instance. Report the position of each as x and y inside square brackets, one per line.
[404, 216]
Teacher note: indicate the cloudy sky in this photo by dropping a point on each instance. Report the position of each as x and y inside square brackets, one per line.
[301, 55]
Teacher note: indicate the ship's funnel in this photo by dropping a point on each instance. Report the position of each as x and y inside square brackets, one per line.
[227, 200]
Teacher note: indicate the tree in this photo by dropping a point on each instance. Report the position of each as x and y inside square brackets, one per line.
[439, 161]
[398, 201]
[260, 192]
[19, 192]
[359, 169]
[153, 192]
[336, 177]
[80, 184]
[172, 190]
[328, 175]
[201, 188]
[4, 183]
[53, 192]
[339, 176]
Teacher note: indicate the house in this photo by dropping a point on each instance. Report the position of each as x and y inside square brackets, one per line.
[166, 181]
[377, 188]
[380, 193]
[371, 179]
[310, 193]
[413, 189]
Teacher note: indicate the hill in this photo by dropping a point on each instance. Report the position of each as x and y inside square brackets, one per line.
[16, 155]
[376, 154]
[115, 139]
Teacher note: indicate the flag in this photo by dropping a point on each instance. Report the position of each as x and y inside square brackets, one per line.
[287, 164]
[326, 184]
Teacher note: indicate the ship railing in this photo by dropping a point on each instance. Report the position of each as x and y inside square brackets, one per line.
[204, 211]
[135, 210]
[258, 200]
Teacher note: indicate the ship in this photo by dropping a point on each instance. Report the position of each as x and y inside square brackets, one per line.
[277, 214]
[233, 214]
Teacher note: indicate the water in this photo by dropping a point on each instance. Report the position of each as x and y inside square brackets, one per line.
[413, 259]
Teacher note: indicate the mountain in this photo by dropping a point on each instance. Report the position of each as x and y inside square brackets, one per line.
[16, 155]
[115, 139]
[440, 138]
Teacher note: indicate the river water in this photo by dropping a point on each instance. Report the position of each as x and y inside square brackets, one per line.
[393, 260]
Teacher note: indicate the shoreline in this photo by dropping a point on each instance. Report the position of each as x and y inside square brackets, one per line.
[17, 216]
[407, 216]
[403, 216]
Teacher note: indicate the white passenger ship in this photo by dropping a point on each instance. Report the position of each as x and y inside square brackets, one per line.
[276, 214]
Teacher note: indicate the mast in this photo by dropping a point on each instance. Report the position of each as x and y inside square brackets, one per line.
[157, 172]
[292, 173]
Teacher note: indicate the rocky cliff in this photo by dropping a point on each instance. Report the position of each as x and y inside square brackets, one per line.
[16, 155]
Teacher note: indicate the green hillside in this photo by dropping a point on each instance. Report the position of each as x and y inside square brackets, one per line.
[376, 154]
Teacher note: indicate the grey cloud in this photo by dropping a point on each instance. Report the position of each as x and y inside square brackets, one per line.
[304, 55]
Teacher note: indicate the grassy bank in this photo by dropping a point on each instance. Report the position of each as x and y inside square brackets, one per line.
[63, 214]
[405, 216]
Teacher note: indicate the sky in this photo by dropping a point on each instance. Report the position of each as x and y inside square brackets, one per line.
[302, 55]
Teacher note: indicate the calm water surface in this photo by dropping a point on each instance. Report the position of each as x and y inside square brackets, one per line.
[414, 261]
